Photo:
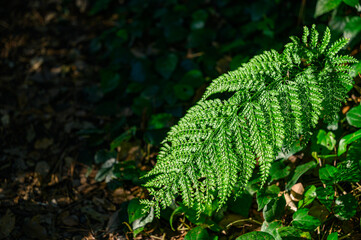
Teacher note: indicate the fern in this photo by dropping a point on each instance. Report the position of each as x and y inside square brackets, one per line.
[247, 116]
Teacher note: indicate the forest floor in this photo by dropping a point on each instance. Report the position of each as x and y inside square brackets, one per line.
[45, 193]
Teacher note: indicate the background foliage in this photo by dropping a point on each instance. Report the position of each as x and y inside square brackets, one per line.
[157, 59]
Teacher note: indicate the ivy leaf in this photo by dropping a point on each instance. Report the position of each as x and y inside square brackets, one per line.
[279, 170]
[326, 196]
[197, 233]
[354, 115]
[166, 65]
[332, 236]
[304, 221]
[272, 228]
[342, 146]
[292, 233]
[328, 174]
[326, 139]
[345, 207]
[265, 196]
[299, 171]
[324, 6]
[256, 236]
[308, 197]
[274, 209]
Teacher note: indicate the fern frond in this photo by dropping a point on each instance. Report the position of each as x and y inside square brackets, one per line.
[245, 118]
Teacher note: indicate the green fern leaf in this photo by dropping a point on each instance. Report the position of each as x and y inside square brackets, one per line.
[245, 118]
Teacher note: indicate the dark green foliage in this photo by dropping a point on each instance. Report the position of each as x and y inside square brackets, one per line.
[302, 220]
[248, 116]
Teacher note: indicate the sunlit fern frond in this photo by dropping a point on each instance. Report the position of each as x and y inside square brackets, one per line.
[246, 116]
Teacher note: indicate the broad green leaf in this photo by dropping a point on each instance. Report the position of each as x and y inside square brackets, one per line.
[272, 228]
[328, 174]
[256, 236]
[302, 220]
[197, 233]
[342, 146]
[135, 210]
[351, 3]
[345, 207]
[324, 6]
[326, 139]
[241, 204]
[354, 115]
[308, 196]
[299, 171]
[326, 196]
[292, 233]
[279, 170]
[264, 196]
[137, 217]
[274, 209]
[332, 236]
[139, 224]
[166, 65]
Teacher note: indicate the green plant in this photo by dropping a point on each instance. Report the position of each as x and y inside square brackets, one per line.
[246, 117]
